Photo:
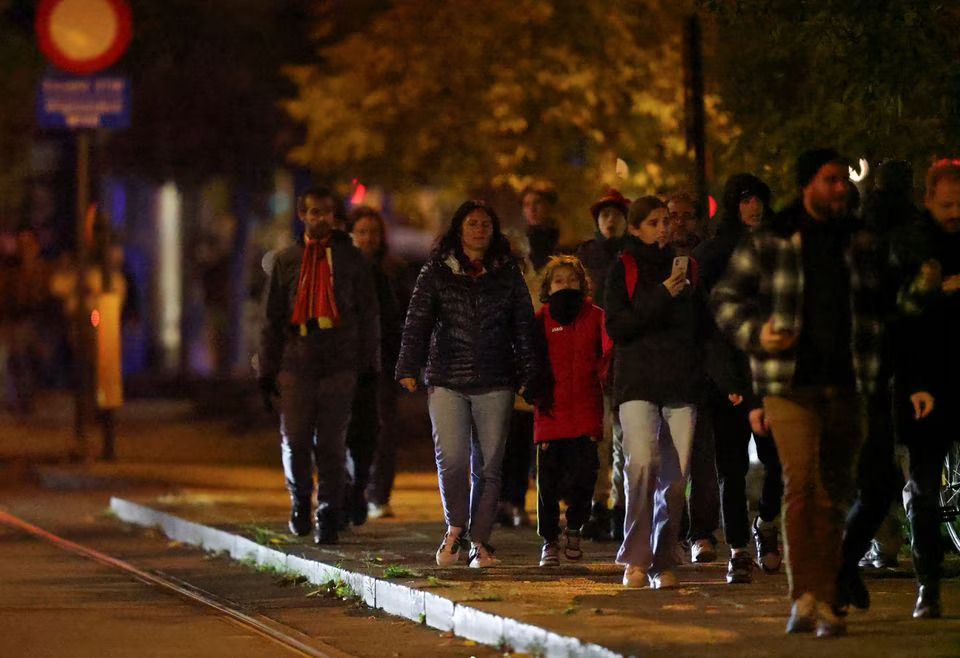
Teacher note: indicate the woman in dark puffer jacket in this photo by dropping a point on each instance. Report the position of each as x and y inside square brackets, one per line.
[470, 327]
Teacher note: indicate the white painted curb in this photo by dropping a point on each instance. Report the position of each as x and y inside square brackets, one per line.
[393, 598]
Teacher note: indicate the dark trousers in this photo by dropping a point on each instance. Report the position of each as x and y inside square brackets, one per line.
[928, 442]
[384, 468]
[314, 413]
[517, 458]
[566, 470]
[879, 481]
[731, 431]
[703, 502]
[363, 433]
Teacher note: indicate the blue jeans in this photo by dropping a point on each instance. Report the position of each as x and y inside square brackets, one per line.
[469, 434]
[657, 461]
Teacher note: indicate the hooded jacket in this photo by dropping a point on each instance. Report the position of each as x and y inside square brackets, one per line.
[727, 367]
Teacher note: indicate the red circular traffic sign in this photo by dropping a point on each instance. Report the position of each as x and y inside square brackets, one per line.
[83, 36]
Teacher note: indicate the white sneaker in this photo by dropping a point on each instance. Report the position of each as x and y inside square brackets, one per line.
[481, 556]
[666, 579]
[451, 548]
[634, 576]
[375, 511]
[702, 550]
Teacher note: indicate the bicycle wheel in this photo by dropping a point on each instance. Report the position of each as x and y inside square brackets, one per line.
[950, 493]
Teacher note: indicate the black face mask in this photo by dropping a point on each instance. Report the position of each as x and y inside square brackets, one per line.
[565, 305]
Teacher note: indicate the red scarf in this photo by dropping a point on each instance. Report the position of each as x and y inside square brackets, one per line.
[315, 299]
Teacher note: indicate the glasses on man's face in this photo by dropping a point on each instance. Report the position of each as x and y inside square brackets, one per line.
[682, 216]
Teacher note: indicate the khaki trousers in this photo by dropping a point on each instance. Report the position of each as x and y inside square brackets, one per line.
[818, 432]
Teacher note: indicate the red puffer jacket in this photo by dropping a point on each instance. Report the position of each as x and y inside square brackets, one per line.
[577, 359]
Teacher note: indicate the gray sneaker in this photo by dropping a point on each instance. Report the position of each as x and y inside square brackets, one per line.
[571, 545]
[878, 559]
[481, 556]
[740, 567]
[451, 548]
[765, 536]
[550, 554]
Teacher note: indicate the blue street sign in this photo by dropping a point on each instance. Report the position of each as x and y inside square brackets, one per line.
[74, 102]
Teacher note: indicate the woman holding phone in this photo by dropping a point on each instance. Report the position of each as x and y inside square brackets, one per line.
[655, 321]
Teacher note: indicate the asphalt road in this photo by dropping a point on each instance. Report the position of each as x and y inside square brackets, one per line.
[56, 603]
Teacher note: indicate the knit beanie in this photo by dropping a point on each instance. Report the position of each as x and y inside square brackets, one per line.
[611, 197]
[809, 163]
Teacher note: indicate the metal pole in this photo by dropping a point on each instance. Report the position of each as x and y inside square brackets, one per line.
[80, 449]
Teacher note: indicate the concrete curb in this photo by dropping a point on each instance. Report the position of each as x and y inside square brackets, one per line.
[407, 602]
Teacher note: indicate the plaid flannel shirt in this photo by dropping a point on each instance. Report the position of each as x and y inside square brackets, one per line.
[764, 281]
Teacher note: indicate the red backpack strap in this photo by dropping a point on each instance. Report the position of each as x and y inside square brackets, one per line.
[629, 271]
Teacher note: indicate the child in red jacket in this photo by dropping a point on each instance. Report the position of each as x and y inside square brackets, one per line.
[568, 419]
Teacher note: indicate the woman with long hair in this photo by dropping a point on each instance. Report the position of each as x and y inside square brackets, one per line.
[469, 327]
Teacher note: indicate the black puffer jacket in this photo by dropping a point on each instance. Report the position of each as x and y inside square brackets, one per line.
[657, 338]
[469, 332]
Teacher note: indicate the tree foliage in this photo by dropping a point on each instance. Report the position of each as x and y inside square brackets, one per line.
[467, 94]
[20, 68]
[877, 78]
[206, 84]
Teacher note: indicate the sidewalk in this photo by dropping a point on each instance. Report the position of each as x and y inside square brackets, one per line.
[576, 609]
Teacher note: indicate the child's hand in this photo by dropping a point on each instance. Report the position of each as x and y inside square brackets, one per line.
[594, 439]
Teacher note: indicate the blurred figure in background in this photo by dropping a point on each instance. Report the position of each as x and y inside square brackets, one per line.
[537, 201]
[701, 516]
[597, 255]
[26, 291]
[730, 398]
[371, 445]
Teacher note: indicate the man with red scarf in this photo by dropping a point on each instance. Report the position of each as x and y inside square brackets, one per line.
[320, 327]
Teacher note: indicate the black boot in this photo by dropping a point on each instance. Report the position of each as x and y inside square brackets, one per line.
[617, 515]
[326, 530]
[597, 526]
[358, 507]
[928, 601]
[851, 589]
[300, 516]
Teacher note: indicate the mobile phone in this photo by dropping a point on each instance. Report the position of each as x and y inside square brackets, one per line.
[680, 264]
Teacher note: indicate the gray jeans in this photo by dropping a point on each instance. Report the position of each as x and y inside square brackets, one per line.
[314, 413]
[656, 443]
[469, 433]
